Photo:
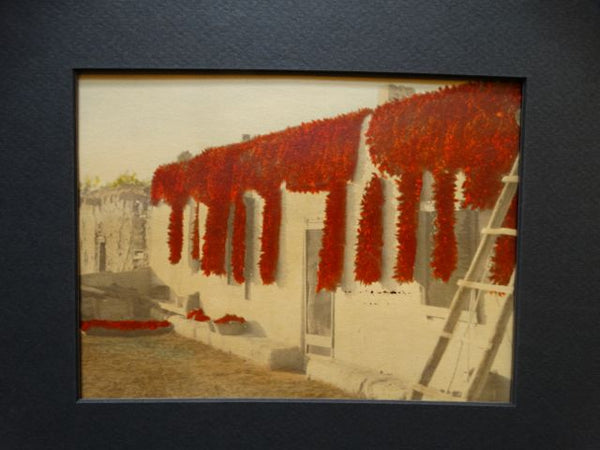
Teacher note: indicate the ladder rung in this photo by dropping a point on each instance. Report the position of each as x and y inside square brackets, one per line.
[503, 231]
[477, 270]
[465, 340]
[485, 286]
[435, 394]
[481, 345]
[446, 335]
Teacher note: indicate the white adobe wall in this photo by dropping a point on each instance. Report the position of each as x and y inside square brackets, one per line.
[274, 310]
[392, 333]
[87, 239]
[395, 333]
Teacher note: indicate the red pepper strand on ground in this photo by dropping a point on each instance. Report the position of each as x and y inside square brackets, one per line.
[198, 315]
[124, 325]
[230, 318]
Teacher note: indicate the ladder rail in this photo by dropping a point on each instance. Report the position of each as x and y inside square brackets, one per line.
[483, 253]
[476, 271]
[477, 382]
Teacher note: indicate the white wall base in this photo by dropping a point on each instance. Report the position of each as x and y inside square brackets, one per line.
[365, 384]
[260, 350]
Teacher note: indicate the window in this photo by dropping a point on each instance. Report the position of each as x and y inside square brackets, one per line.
[102, 257]
[249, 258]
[436, 292]
[229, 248]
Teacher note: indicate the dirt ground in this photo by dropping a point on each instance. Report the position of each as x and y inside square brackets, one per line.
[170, 366]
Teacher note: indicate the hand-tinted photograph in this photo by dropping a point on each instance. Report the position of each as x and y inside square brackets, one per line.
[297, 237]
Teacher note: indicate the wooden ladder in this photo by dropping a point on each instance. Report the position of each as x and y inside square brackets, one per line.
[475, 280]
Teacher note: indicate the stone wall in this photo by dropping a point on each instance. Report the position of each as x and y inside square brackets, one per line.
[112, 229]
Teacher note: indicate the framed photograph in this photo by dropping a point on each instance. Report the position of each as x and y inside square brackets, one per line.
[317, 225]
[371, 248]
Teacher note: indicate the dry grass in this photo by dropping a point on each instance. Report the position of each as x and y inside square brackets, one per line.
[169, 366]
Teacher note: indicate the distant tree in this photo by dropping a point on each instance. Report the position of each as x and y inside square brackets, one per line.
[184, 156]
[89, 183]
[127, 179]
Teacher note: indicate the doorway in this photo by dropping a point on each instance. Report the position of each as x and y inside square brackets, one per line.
[102, 257]
[319, 306]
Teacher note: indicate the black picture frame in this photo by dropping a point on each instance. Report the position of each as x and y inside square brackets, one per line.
[552, 46]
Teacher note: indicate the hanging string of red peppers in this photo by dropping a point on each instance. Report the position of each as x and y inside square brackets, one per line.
[445, 252]
[370, 234]
[469, 128]
[505, 249]
[410, 185]
[319, 156]
[196, 236]
[168, 184]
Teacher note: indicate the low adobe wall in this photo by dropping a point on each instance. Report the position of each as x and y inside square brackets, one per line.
[142, 280]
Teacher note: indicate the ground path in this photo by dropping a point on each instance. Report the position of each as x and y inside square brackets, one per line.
[170, 366]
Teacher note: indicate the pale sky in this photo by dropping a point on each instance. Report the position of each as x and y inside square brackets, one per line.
[136, 122]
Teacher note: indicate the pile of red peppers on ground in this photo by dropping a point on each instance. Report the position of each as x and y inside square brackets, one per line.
[124, 325]
[198, 315]
[229, 318]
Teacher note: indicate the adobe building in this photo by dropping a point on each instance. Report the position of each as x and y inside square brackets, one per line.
[369, 338]
[113, 229]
